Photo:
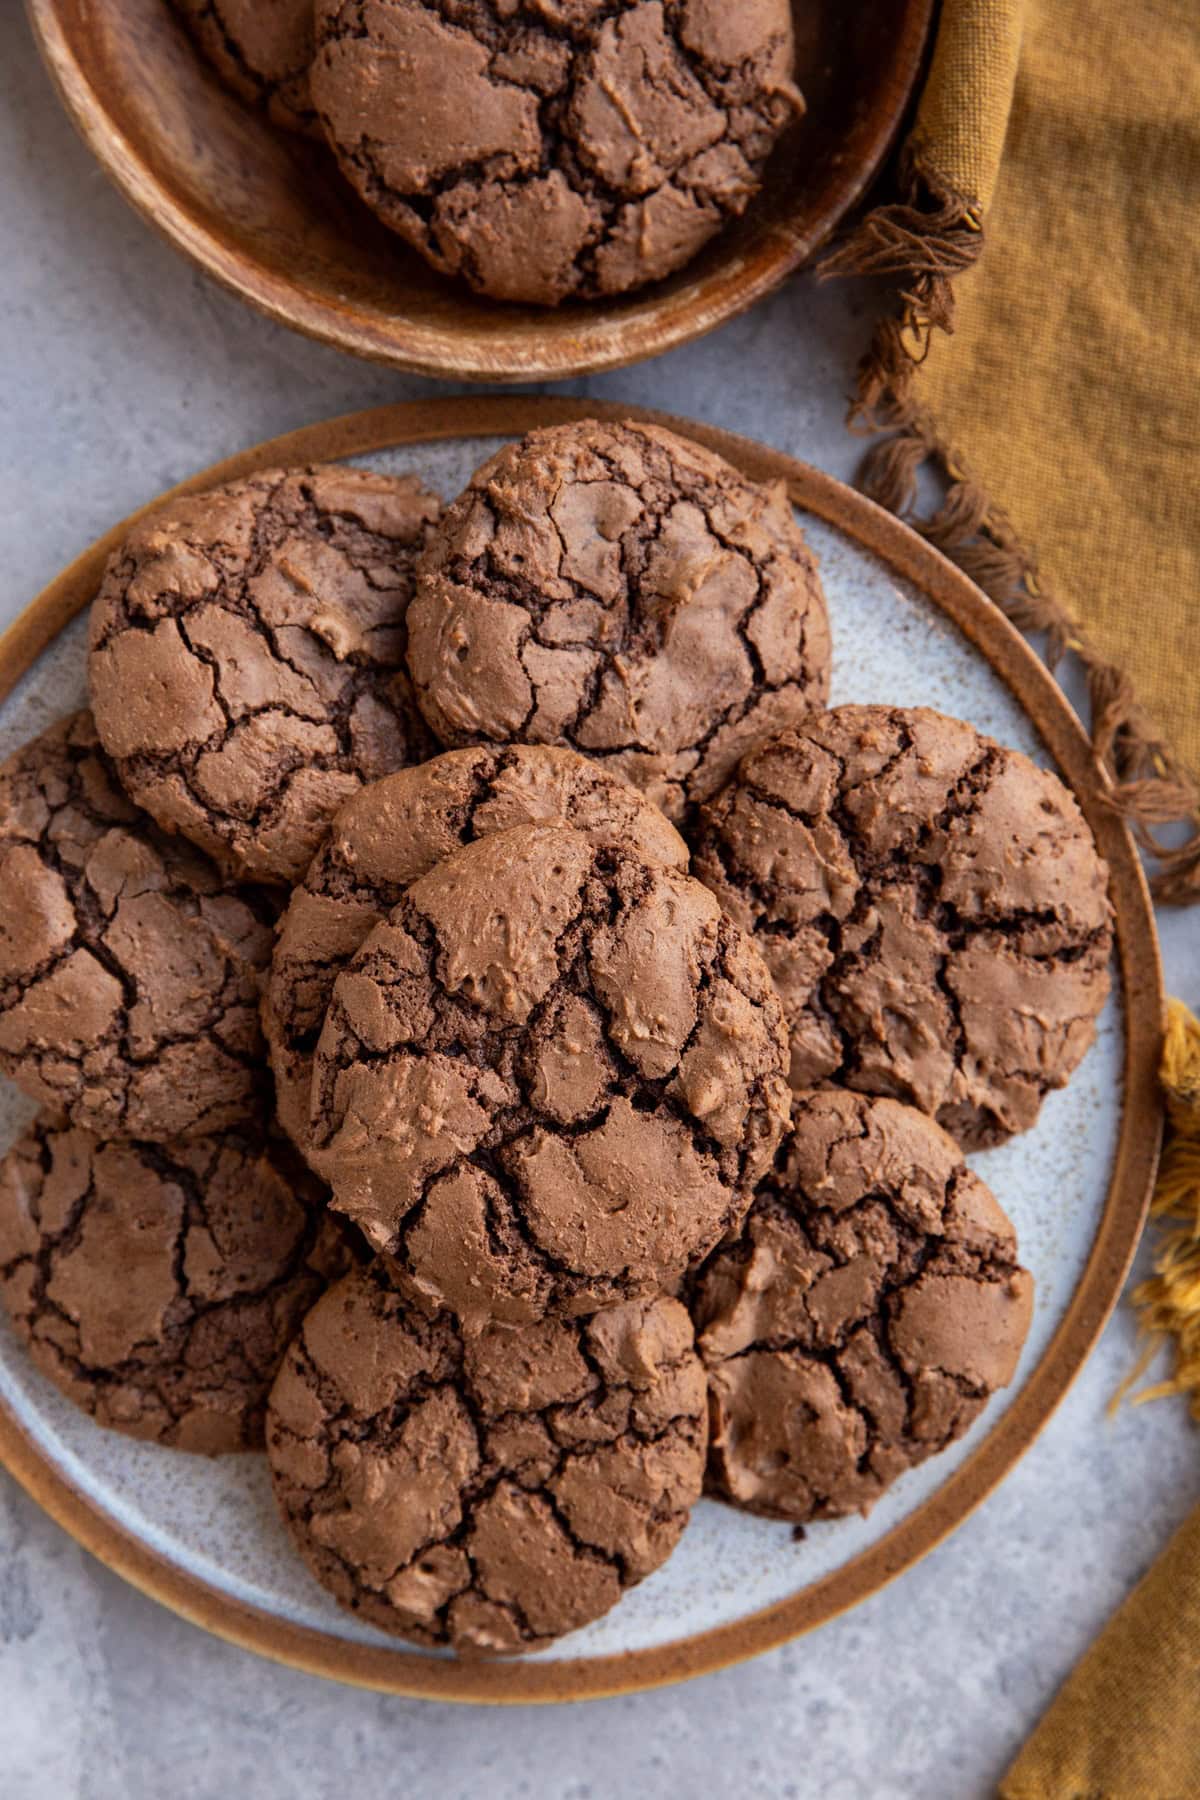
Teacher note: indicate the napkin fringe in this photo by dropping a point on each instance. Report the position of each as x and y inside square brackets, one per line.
[1168, 1303]
[925, 242]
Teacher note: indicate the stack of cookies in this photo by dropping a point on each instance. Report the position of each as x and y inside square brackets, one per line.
[502, 1044]
[538, 150]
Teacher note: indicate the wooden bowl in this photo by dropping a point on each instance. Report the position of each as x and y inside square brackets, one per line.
[271, 218]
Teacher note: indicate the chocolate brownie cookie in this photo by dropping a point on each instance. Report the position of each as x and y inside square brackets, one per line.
[392, 832]
[616, 588]
[247, 654]
[158, 1285]
[547, 148]
[486, 1493]
[871, 1306]
[129, 969]
[550, 1080]
[931, 906]
[262, 50]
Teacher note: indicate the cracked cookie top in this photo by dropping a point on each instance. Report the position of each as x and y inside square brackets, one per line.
[931, 906]
[262, 50]
[623, 591]
[486, 1493]
[247, 658]
[129, 968]
[543, 149]
[871, 1306]
[397, 829]
[158, 1285]
[550, 1080]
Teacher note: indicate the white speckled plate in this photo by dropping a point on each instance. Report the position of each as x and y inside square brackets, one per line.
[203, 1535]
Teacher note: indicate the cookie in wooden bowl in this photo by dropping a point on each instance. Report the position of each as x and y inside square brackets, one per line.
[262, 50]
[550, 151]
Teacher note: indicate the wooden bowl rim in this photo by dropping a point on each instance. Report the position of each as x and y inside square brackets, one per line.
[1131, 1181]
[575, 342]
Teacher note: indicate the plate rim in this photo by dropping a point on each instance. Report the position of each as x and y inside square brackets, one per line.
[604, 339]
[400, 1671]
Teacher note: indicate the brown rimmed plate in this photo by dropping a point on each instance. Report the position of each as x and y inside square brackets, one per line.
[268, 215]
[202, 1537]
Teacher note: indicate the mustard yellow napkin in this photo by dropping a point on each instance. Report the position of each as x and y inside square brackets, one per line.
[1127, 1724]
[1054, 377]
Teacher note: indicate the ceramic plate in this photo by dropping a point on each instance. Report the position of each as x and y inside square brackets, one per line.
[203, 1535]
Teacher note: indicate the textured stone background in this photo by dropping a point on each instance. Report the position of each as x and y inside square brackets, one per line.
[121, 371]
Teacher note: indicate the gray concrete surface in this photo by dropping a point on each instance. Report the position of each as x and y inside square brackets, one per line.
[122, 370]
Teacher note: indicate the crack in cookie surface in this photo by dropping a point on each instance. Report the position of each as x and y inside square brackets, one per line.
[542, 151]
[262, 49]
[396, 830]
[550, 1080]
[931, 906]
[158, 1285]
[487, 1493]
[616, 589]
[247, 658]
[129, 967]
[870, 1307]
